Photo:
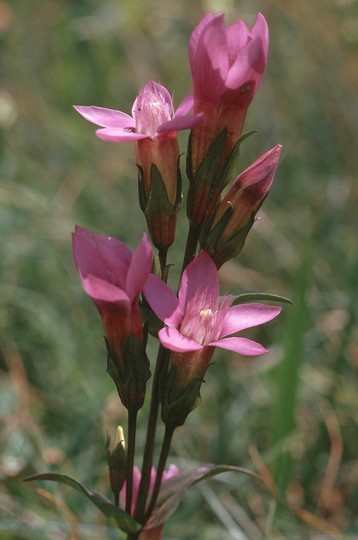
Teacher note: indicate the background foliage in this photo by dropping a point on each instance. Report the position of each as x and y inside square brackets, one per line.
[293, 414]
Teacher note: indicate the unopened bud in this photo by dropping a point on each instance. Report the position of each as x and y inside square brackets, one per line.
[117, 461]
[225, 234]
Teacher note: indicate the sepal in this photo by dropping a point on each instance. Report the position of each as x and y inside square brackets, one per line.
[211, 177]
[123, 520]
[160, 213]
[219, 250]
[130, 380]
[176, 402]
[203, 194]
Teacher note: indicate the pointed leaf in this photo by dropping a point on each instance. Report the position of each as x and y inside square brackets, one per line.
[266, 297]
[173, 490]
[123, 520]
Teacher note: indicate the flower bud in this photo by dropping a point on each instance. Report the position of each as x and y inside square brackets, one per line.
[117, 462]
[225, 234]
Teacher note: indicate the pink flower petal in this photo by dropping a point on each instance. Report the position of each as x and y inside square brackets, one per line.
[179, 123]
[139, 268]
[101, 256]
[211, 58]
[246, 316]
[240, 345]
[200, 280]
[195, 37]
[248, 67]
[160, 297]
[100, 290]
[260, 29]
[237, 35]
[186, 106]
[173, 340]
[119, 135]
[108, 118]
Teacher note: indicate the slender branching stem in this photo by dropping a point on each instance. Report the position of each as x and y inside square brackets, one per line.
[132, 424]
[168, 435]
[150, 438]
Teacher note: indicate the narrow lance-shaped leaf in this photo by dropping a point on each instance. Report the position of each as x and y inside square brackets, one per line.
[173, 490]
[123, 520]
[260, 296]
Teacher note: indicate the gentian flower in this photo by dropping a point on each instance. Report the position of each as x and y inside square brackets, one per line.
[225, 236]
[153, 126]
[198, 321]
[113, 277]
[227, 65]
[148, 533]
[170, 473]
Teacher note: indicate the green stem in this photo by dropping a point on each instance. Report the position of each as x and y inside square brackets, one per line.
[169, 431]
[191, 244]
[132, 423]
[150, 440]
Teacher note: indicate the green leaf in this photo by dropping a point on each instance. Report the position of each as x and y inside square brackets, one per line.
[265, 297]
[173, 490]
[123, 520]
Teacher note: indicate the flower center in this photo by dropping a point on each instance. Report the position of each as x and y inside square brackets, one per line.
[151, 110]
[200, 322]
[206, 312]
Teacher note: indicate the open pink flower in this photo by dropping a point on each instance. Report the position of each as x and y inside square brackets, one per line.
[152, 117]
[153, 127]
[199, 318]
[227, 65]
[113, 277]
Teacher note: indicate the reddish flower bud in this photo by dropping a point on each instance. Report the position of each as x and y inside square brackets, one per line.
[225, 234]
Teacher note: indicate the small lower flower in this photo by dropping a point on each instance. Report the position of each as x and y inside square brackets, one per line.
[147, 533]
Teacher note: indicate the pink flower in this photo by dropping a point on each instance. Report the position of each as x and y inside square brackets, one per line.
[154, 127]
[113, 277]
[152, 117]
[198, 320]
[227, 65]
[170, 473]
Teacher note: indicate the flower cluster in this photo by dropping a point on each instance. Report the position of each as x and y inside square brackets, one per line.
[131, 292]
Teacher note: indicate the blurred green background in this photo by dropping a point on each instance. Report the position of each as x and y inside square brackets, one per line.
[293, 414]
